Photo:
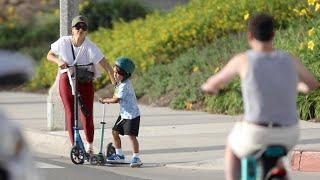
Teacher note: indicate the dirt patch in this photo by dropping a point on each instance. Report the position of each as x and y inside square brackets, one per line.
[163, 101]
[317, 120]
[106, 91]
[145, 100]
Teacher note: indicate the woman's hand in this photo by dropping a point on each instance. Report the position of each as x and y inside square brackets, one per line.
[54, 58]
[63, 65]
[101, 100]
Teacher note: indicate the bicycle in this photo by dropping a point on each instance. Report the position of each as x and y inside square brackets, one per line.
[264, 164]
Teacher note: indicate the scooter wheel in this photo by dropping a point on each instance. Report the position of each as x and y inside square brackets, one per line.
[102, 160]
[77, 155]
[110, 150]
[94, 160]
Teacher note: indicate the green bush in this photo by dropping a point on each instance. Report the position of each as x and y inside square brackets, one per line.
[104, 13]
[11, 33]
[30, 38]
[183, 78]
[167, 65]
[46, 74]
[15, 35]
[162, 37]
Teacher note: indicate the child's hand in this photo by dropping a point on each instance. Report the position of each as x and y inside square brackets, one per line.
[101, 101]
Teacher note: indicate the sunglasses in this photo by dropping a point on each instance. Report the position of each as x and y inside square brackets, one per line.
[81, 26]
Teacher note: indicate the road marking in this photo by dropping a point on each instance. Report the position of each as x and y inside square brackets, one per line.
[42, 165]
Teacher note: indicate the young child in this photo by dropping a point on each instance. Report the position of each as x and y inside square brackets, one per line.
[270, 79]
[128, 121]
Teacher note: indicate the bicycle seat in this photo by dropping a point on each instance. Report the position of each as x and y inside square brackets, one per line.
[265, 159]
[270, 159]
[270, 151]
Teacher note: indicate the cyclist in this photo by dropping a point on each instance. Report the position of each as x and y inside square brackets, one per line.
[270, 79]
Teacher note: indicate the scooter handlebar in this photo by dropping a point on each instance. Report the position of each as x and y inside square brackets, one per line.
[79, 65]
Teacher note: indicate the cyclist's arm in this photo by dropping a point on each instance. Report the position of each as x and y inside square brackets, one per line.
[222, 78]
[307, 80]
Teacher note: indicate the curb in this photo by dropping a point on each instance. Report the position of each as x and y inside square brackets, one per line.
[304, 160]
[48, 143]
[51, 143]
[216, 164]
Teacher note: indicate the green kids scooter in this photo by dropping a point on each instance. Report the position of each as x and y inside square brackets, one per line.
[100, 159]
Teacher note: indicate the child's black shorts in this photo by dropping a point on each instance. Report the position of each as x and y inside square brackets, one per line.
[127, 126]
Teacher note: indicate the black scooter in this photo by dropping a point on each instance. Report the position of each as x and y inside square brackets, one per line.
[78, 152]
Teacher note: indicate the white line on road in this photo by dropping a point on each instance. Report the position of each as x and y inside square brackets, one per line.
[42, 165]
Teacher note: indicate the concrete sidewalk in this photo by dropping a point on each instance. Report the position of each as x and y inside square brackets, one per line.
[180, 139]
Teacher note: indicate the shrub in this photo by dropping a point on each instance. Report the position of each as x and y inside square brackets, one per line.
[156, 42]
[162, 37]
[46, 74]
[104, 13]
[183, 76]
[11, 33]
[30, 37]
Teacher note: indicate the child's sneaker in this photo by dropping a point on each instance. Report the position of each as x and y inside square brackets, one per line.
[135, 162]
[115, 158]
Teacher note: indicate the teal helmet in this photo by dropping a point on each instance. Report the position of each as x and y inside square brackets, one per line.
[126, 65]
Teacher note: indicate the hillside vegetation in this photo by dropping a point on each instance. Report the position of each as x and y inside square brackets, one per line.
[176, 51]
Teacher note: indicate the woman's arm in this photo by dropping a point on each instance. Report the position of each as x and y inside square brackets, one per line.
[54, 58]
[106, 66]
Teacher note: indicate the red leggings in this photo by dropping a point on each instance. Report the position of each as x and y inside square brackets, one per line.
[87, 93]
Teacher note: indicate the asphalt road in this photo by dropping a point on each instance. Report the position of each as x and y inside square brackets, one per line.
[58, 168]
[182, 141]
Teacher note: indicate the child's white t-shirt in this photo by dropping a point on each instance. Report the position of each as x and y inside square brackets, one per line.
[128, 104]
[87, 53]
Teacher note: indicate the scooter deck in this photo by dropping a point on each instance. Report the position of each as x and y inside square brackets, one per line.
[114, 163]
[122, 164]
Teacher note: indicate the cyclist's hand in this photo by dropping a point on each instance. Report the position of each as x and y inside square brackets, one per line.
[209, 89]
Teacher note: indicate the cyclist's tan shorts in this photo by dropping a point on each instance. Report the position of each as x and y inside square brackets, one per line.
[246, 138]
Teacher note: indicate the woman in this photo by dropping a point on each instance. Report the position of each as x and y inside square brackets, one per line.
[67, 51]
